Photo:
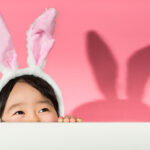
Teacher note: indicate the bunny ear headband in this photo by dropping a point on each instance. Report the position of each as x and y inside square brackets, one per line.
[39, 42]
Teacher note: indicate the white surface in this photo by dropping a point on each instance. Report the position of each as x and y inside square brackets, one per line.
[73, 136]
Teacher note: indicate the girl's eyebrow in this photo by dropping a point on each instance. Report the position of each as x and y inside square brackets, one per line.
[13, 106]
[39, 102]
[45, 102]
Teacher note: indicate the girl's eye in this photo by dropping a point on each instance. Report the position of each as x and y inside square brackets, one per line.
[44, 109]
[19, 113]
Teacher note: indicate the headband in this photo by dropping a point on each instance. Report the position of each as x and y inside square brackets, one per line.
[39, 42]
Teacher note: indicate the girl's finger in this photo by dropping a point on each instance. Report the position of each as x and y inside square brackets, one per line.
[67, 118]
[72, 119]
[79, 120]
[60, 119]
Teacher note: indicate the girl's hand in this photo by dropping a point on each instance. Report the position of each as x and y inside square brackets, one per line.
[68, 118]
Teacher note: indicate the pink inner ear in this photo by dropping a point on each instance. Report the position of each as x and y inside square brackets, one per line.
[8, 57]
[42, 45]
[37, 47]
[42, 35]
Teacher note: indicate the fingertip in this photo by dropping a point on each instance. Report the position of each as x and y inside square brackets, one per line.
[66, 120]
[72, 119]
[60, 119]
[79, 120]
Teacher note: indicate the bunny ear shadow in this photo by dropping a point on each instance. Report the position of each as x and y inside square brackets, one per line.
[40, 38]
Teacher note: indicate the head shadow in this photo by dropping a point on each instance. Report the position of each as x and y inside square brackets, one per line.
[105, 71]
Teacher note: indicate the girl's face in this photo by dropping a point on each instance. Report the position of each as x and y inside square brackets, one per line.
[27, 104]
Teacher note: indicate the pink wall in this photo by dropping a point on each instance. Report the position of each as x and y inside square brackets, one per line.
[101, 56]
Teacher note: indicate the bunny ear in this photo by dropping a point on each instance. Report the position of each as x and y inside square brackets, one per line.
[40, 38]
[8, 56]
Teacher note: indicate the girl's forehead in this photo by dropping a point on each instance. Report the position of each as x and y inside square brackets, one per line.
[23, 92]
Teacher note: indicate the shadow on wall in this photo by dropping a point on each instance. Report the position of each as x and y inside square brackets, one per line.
[105, 71]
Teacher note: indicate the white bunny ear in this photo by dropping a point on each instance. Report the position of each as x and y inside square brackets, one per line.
[8, 56]
[40, 38]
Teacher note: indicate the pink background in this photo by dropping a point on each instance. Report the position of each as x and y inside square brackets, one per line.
[101, 57]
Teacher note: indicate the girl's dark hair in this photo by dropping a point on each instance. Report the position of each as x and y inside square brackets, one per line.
[41, 85]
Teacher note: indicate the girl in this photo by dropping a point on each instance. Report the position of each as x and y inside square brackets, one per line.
[28, 98]
[30, 95]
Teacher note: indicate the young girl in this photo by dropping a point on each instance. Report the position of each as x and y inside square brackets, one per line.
[30, 95]
[30, 98]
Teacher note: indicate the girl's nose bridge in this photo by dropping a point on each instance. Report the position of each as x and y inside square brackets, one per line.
[33, 117]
